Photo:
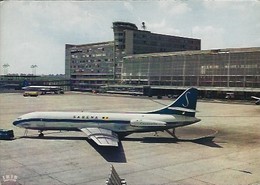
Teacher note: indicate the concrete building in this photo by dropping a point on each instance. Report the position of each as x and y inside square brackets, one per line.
[93, 65]
[90, 65]
[211, 70]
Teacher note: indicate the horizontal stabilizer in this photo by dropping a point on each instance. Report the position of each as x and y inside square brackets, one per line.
[182, 109]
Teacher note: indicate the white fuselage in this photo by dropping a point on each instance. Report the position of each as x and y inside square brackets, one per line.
[44, 89]
[117, 122]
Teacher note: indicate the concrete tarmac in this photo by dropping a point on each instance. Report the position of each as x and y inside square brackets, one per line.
[66, 158]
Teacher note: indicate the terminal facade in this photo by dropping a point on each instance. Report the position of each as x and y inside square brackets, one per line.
[91, 66]
[226, 70]
[211, 68]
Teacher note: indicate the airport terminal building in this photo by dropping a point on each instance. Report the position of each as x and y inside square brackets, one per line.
[226, 70]
[90, 66]
[139, 60]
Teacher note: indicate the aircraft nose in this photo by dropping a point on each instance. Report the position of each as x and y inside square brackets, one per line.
[17, 121]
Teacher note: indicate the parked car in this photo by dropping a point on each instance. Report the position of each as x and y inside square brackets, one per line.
[6, 134]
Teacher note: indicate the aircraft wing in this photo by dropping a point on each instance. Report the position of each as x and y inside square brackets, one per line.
[102, 137]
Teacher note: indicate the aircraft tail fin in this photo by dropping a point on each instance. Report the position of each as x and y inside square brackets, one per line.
[185, 104]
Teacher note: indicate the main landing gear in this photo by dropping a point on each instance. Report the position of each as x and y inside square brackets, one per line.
[172, 133]
[41, 134]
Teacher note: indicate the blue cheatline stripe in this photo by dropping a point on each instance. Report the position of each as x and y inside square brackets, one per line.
[71, 121]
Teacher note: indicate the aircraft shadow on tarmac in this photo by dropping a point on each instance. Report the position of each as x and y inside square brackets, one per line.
[117, 154]
[54, 137]
[206, 140]
[110, 154]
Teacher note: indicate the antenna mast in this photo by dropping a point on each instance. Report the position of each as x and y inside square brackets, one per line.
[143, 26]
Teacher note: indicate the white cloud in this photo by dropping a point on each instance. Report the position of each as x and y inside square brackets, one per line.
[128, 6]
[174, 8]
[61, 19]
[241, 5]
[46, 54]
[24, 44]
[162, 27]
[211, 37]
[36, 33]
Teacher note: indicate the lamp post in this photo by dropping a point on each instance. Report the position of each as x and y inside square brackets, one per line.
[33, 67]
[6, 66]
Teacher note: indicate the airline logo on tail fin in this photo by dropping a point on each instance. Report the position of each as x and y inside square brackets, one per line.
[185, 104]
[186, 96]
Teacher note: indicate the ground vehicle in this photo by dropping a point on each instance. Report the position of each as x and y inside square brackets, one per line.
[230, 95]
[30, 93]
[6, 134]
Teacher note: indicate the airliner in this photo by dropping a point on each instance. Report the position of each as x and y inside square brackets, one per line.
[44, 89]
[105, 129]
[257, 100]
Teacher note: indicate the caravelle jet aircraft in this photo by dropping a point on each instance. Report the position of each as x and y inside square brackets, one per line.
[257, 100]
[106, 128]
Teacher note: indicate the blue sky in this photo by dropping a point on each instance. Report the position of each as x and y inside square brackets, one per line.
[35, 32]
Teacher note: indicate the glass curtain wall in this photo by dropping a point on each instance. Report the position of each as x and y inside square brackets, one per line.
[214, 69]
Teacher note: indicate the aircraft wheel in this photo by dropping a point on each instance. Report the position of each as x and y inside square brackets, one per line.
[41, 135]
